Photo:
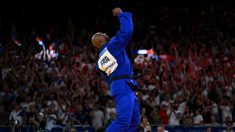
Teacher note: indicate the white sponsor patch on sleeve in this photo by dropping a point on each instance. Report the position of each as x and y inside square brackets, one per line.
[107, 62]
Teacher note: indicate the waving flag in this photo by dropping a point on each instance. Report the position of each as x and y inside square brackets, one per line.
[145, 51]
[14, 39]
[40, 41]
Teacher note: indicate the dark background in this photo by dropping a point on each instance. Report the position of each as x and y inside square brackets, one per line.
[35, 12]
[37, 15]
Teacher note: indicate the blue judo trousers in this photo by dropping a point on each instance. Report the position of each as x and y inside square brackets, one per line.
[114, 62]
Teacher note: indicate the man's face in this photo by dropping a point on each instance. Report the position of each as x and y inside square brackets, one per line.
[72, 130]
[99, 39]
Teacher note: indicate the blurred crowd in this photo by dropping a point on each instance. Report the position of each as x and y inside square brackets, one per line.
[188, 80]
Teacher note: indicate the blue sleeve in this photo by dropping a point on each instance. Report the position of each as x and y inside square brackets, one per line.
[122, 37]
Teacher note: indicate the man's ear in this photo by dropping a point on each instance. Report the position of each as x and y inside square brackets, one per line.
[95, 42]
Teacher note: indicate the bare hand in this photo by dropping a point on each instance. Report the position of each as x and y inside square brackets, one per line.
[116, 11]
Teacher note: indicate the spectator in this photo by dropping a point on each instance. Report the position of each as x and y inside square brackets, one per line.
[145, 125]
[174, 116]
[163, 115]
[161, 129]
[154, 117]
[213, 121]
[15, 115]
[38, 122]
[110, 107]
[31, 115]
[97, 116]
[187, 117]
[51, 119]
[226, 110]
[81, 118]
[112, 117]
[167, 103]
[229, 124]
[198, 118]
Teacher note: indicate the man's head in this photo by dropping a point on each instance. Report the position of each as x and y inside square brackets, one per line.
[99, 39]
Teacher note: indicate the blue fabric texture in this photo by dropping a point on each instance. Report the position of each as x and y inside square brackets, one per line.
[127, 107]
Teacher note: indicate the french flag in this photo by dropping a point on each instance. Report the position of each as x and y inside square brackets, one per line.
[145, 51]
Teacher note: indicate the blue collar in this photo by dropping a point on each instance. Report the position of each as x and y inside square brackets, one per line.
[102, 48]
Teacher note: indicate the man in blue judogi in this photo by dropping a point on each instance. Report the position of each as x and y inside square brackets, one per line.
[117, 69]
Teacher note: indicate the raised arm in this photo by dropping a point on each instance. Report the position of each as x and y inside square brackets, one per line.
[126, 28]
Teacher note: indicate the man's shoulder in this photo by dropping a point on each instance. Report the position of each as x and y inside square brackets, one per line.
[125, 13]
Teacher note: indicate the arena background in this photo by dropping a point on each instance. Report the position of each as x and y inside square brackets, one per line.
[189, 82]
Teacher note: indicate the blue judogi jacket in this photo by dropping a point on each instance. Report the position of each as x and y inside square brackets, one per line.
[113, 59]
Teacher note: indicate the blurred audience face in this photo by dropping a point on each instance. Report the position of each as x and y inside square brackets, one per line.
[72, 130]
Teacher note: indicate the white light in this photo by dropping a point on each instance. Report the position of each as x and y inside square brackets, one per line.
[142, 51]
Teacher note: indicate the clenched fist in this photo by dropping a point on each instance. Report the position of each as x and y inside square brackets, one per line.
[116, 11]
